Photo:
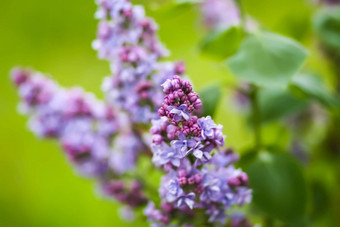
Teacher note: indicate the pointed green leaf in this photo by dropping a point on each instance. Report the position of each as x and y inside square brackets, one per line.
[277, 103]
[279, 186]
[308, 86]
[327, 25]
[267, 59]
[221, 44]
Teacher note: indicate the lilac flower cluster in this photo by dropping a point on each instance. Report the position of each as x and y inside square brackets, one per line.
[84, 126]
[128, 40]
[200, 177]
[222, 14]
[103, 140]
[88, 129]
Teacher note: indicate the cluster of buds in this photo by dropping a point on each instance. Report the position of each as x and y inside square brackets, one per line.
[200, 177]
[127, 193]
[128, 40]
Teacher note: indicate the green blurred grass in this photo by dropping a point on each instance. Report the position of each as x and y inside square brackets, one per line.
[37, 185]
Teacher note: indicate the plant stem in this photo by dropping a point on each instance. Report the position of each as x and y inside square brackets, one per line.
[256, 116]
[242, 14]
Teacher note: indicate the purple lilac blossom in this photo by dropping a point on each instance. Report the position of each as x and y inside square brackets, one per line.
[200, 175]
[182, 143]
[85, 128]
[128, 40]
[71, 116]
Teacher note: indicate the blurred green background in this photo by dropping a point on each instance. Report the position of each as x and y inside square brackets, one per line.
[37, 185]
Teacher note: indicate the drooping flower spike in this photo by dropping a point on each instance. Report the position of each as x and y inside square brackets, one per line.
[84, 126]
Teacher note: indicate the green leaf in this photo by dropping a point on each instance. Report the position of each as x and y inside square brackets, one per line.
[279, 186]
[267, 59]
[308, 86]
[210, 97]
[277, 103]
[327, 25]
[221, 44]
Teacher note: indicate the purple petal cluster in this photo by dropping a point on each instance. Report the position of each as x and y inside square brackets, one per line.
[83, 125]
[200, 176]
[128, 40]
[87, 129]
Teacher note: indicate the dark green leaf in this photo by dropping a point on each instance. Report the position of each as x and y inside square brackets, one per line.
[320, 198]
[210, 97]
[275, 104]
[267, 59]
[279, 187]
[308, 86]
[327, 25]
[221, 44]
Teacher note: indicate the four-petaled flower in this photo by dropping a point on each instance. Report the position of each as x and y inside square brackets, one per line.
[179, 112]
[207, 125]
[188, 200]
[183, 144]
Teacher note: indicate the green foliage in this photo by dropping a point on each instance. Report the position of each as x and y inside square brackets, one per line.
[279, 186]
[267, 59]
[276, 103]
[210, 97]
[327, 25]
[221, 44]
[308, 86]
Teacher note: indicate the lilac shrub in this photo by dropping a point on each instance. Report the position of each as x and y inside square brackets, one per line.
[201, 181]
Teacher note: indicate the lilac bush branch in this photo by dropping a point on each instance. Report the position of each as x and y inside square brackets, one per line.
[104, 140]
